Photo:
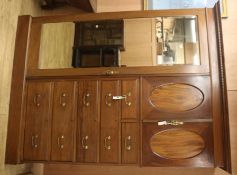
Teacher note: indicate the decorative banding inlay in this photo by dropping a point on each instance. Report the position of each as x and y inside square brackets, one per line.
[177, 144]
[176, 97]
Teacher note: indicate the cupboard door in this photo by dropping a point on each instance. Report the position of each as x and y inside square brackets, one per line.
[37, 126]
[110, 112]
[88, 124]
[63, 129]
[188, 144]
[176, 97]
[130, 103]
[130, 143]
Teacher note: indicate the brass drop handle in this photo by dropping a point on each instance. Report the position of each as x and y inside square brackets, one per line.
[111, 72]
[60, 142]
[83, 142]
[37, 99]
[62, 100]
[34, 139]
[127, 102]
[127, 143]
[172, 123]
[108, 99]
[106, 140]
[86, 101]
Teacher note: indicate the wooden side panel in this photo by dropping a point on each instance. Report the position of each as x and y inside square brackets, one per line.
[167, 97]
[130, 143]
[88, 123]
[190, 144]
[110, 117]
[63, 123]
[16, 121]
[38, 121]
[130, 89]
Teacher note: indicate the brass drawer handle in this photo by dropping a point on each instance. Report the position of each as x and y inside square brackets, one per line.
[34, 139]
[111, 72]
[127, 143]
[108, 99]
[62, 100]
[172, 123]
[36, 100]
[83, 142]
[60, 142]
[124, 97]
[86, 98]
[106, 140]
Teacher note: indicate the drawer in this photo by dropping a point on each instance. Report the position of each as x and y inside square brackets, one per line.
[176, 97]
[189, 144]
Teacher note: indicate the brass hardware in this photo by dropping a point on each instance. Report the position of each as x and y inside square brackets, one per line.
[127, 143]
[60, 142]
[172, 123]
[62, 100]
[119, 97]
[37, 99]
[108, 147]
[34, 141]
[86, 99]
[128, 103]
[111, 72]
[83, 142]
[108, 99]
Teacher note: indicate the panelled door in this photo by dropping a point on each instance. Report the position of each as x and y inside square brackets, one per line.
[110, 120]
[88, 121]
[37, 126]
[63, 123]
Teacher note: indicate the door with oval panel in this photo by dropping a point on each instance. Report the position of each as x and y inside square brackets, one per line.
[37, 124]
[175, 143]
[88, 121]
[63, 123]
[176, 97]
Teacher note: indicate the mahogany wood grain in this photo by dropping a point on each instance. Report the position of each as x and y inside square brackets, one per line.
[63, 123]
[110, 118]
[88, 121]
[182, 157]
[149, 84]
[38, 121]
[177, 144]
[16, 116]
[130, 143]
[176, 97]
[130, 108]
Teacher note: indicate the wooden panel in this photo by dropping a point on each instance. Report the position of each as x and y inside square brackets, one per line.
[199, 86]
[176, 97]
[15, 122]
[63, 124]
[130, 143]
[177, 144]
[197, 133]
[88, 123]
[130, 104]
[38, 121]
[110, 112]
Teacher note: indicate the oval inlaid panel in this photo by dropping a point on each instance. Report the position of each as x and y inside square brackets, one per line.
[177, 144]
[176, 97]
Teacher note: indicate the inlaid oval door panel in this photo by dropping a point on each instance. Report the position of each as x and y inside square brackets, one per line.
[177, 144]
[176, 97]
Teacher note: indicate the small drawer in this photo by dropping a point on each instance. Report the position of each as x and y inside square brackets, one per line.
[176, 97]
[179, 144]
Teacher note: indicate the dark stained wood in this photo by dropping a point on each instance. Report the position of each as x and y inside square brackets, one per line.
[89, 120]
[63, 123]
[16, 116]
[110, 118]
[130, 108]
[182, 157]
[176, 97]
[177, 144]
[202, 83]
[38, 121]
[130, 143]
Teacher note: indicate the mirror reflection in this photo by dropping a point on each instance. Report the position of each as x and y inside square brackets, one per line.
[125, 43]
